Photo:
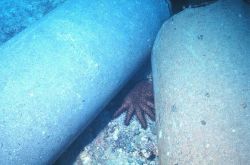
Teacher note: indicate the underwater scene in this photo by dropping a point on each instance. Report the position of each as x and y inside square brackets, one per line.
[120, 82]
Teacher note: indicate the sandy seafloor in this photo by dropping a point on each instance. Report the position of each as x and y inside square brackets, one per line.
[105, 141]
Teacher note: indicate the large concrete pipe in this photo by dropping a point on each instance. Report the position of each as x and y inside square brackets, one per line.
[201, 70]
[58, 74]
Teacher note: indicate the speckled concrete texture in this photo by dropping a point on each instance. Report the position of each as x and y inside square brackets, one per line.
[59, 73]
[201, 70]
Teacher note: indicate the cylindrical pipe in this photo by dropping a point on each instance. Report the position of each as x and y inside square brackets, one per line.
[59, 73]
[201, 70]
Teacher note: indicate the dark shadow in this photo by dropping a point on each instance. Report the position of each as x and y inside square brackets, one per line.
[178, 5]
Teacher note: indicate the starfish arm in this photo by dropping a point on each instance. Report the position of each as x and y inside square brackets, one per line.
[141, 118]
[120, 110]
[148, 111]
[129, 115]
[140, 100]
[150, 104]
